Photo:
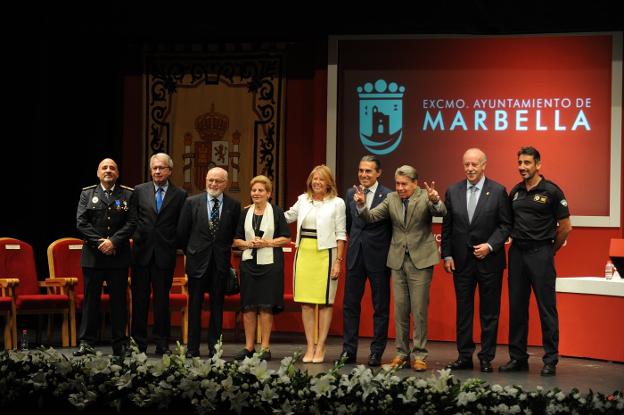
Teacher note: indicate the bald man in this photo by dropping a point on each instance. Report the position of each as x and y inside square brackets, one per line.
[106, 219]
[474, 232]
[206, 232]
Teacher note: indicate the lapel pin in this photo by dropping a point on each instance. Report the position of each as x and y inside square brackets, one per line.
[95, 199]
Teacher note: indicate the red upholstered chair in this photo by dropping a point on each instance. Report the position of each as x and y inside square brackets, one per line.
[232, 303]
[64, 261]
[7, 310]
[178, 297]
[17, 261]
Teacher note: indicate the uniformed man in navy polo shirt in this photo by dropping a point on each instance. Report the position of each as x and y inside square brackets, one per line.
[106, 219]
[541, 226]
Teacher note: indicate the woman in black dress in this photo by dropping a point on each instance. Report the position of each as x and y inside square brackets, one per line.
[261, 234]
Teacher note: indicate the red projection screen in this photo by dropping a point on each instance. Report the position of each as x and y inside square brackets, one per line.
[424, 100]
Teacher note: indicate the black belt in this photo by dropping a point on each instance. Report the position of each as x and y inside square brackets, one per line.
[528, 244]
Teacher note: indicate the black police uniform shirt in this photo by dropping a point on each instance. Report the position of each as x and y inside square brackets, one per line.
[113, 217]
[537, 211]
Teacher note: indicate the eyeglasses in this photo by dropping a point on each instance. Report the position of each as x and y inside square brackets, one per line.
[215, 181]
[158, 168]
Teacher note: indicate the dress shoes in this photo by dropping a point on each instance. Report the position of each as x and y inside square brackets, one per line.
[85, 349]
[244, 353]
[161, 351]
[549, 370]
[486, 366]
[515, 366]
[191, 354]
[346, 358]
[419, 365]
[265, 354]
[399, 362]
[374, 360]
[460, 364]
[121, 351]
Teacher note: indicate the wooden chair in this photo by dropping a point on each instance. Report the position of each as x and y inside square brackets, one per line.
[178, 297]
[7, 309]
[17, 261]
[64, 261]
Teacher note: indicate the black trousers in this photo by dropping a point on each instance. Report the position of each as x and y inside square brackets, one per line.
[532, 268]
[490, 286]
[117, 283]
[214, 286]
[146, 281]
[354, 291]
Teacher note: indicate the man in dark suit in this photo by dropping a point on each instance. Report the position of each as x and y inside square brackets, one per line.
[106, 218]
[206, 231]
[474, 232]
[366, 258]
[159, 203]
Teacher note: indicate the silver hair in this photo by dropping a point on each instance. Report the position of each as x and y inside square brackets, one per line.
[163, 157]
[407, 171]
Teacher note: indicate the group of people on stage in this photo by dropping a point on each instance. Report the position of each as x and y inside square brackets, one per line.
[384, 236]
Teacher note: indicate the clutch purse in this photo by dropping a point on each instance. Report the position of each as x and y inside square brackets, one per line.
[232, 286]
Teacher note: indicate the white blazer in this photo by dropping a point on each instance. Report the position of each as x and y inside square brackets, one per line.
[331, 220]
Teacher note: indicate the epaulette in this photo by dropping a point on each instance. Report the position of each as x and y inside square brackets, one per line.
[126, 187]
[546, 181]
[90, 187]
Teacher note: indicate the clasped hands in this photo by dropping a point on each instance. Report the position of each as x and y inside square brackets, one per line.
[106, 246]
[479, 251]
[258, 243]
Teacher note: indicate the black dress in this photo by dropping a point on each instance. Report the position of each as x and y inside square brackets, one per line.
[262, 286]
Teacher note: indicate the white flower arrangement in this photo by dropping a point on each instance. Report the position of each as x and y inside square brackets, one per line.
[47, 379]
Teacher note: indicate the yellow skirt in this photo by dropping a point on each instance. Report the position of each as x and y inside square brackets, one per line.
[311, 282]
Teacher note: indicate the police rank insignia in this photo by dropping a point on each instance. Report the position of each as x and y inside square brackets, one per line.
[540, 198]
[95, 199]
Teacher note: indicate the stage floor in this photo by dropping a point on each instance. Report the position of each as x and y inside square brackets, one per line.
[584, 374]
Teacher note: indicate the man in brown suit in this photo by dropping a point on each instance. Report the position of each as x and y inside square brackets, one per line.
[412, 255]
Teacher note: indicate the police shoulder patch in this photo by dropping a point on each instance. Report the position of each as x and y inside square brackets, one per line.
[126, 187]
[90, 187]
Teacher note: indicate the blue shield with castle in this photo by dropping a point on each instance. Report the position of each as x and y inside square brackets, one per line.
[381, 116]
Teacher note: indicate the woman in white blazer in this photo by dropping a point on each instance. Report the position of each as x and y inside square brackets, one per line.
[321, 236]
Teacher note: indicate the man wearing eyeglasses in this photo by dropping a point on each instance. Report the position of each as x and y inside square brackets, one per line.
[206, 232]
[159, 203]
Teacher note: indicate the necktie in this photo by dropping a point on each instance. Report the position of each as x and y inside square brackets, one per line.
[366, 192]
[472, 201]
[214, 212]
[159, 199]
[405, 203]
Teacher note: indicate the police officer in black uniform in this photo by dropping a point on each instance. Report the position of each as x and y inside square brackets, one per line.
[541, 226]
[106, 218]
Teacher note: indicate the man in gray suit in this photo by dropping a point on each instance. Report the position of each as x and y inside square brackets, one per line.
[412, 255]
[473, 246]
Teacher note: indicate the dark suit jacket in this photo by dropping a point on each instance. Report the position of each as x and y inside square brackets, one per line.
[195, 239]
[373, 238]
[491, 223]
[114, 218]
[156, 232]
